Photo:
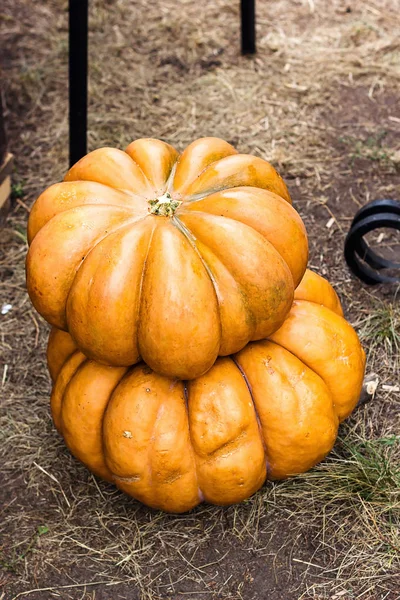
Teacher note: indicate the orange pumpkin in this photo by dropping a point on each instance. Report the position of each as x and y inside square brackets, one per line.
[174, 260]
[270, 411]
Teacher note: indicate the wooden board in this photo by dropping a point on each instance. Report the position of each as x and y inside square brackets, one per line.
[3, 138]
[5, 191]
[6, 167]
[5, 187]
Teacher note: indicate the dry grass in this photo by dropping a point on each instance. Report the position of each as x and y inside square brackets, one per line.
[320, 100]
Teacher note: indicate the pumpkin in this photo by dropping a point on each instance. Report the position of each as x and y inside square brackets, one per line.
[170, 259]
[268, 412]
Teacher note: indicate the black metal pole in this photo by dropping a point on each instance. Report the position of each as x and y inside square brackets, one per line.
[248, 17]
[78, 85]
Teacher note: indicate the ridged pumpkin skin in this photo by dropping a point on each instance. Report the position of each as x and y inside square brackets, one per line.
[175, 281]
[270, 411]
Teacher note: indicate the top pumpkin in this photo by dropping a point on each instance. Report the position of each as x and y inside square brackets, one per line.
[173, 259]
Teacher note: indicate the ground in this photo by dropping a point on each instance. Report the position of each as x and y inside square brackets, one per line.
[320, 100]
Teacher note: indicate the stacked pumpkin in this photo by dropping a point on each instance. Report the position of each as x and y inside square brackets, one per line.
[192, 355]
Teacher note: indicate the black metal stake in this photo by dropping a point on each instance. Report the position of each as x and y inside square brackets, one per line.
[248, 16]
[362, 260]
[78, 85]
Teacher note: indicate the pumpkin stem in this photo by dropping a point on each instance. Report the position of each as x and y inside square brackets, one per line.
[165, 205]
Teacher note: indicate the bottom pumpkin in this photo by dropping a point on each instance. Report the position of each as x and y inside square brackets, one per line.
[270, 411]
